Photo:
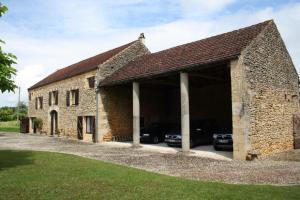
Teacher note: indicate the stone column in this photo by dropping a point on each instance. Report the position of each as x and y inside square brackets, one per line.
[185, 112]
[136, 113]
[238, 115]
[97, 118]
[30, 125]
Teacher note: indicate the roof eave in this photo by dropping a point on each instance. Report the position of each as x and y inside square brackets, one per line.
[169, 71]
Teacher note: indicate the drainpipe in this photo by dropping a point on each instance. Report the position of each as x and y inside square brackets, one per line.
[97, 115]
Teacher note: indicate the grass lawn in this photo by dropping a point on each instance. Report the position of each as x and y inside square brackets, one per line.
[10, 126]
[43, 175]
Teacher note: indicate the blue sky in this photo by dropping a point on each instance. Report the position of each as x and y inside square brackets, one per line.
[48, 35]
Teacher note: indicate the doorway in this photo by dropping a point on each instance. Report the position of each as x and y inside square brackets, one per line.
[54, 122]
[79, 127]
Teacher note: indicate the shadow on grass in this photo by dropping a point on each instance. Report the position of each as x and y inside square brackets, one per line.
[10, 159]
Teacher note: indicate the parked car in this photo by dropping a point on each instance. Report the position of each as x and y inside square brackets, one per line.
[223, 140]
[200, 133]
[154, 133]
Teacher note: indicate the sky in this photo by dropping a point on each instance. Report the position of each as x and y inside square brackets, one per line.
[49, 35]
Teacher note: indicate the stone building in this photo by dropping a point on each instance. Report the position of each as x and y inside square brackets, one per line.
[244, 80]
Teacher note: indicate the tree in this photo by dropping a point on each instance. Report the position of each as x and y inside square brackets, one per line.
[7, 72]
[22, 110]
[7, 113]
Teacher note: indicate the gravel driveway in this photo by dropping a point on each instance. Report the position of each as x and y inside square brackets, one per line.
[190, 167]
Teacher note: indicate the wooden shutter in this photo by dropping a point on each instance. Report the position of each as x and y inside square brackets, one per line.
[77, 97]
[56, 98]
[68, 98]
[93, 125]
[41, 101]
[91, 81]
[50, 99]
[36, 103]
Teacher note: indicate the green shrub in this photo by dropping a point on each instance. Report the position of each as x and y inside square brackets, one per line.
[38, 123]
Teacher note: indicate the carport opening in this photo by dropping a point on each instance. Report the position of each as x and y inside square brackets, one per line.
[210, 102]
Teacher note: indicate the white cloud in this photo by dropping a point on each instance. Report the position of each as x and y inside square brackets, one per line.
[194, 8]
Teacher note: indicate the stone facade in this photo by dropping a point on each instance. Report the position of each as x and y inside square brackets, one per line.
[67, 115]
[115, 104]
[264, 96]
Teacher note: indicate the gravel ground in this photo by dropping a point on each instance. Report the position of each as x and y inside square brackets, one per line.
[176, 164]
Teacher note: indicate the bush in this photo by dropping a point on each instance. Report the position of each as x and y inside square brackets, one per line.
[38, 123]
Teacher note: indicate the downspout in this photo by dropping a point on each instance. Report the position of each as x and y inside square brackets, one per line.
[97, 114]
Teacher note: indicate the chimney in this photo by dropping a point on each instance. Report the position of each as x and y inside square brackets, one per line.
[142, 38]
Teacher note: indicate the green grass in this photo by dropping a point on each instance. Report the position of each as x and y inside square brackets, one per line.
[44, 175]
[10, 126]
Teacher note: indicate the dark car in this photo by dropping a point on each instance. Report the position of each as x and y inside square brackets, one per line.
[154, 133]
[223, 140]
[200, 133]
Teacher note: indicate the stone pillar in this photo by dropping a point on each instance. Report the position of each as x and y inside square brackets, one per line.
[97, 121]
[238, 115]
[30, 125]
[185, 112]
[136, 113]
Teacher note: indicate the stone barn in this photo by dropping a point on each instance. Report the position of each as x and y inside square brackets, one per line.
[244, 80]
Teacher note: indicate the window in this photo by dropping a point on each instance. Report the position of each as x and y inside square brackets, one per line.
[90, 124]
[29, 96]
[91, 82]
[53, 98]
[39, 103]
[72, 97]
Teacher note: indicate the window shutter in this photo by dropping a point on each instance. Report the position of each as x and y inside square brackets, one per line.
[93, 125]
[91, 81]
[50, 99]
[56, 98]
[41, 102]
[68, 98]
[77, 97]
[36, 103]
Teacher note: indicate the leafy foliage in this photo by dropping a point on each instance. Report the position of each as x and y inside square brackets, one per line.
[7, 72]
[38, 123]
[11, 113]
[7, 113]
[3, 9]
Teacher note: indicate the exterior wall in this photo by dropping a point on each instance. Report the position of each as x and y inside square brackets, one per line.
[115, 103]
[270, 94]
[67, 116]
[115, 106]
[135, 50]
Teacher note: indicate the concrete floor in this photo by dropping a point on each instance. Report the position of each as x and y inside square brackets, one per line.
[205, 151]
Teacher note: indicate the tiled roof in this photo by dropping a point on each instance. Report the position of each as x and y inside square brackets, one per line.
[81, 67]
[214, 49]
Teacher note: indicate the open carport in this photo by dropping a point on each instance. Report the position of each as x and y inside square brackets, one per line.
[182, 98]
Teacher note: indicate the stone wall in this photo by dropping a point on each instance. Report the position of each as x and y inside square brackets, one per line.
[132, 52]
[115, 103]
[115, 106]
[67, 116]
[271, 96]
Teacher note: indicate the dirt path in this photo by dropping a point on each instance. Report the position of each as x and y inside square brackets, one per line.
[196, 168]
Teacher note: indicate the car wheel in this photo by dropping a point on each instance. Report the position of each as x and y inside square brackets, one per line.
[155, 140]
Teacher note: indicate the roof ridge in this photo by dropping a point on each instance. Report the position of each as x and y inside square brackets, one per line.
[212, 49]
[80, 67]
[128, 44]
[217, 35]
